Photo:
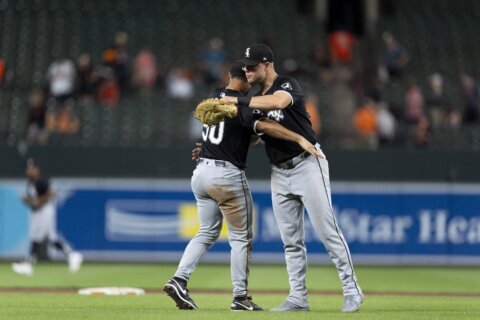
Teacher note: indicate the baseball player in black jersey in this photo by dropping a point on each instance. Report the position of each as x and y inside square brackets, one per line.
[40, 199]
[298, 181]
[221, 190]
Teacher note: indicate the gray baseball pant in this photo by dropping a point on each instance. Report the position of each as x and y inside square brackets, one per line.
[221, 189]
[307, 185]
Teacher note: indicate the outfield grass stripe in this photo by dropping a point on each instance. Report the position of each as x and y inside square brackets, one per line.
[256, 292]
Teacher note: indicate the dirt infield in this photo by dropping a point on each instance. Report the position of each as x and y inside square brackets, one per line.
[257, 292]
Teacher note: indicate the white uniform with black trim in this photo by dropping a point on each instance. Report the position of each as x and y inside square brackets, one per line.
[42, 220]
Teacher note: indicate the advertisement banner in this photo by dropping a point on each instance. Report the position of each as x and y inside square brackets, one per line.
[384, 223]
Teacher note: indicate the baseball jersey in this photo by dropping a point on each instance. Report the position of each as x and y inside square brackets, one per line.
[294, 117]
[229, 140]
[38, 188]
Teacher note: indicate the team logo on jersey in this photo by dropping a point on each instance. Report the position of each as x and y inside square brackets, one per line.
[222, 94]
[276, 115]
[247, 53]
[286, 86]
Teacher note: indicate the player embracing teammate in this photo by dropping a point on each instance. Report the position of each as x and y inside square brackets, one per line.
[222, 191]
[298, 181]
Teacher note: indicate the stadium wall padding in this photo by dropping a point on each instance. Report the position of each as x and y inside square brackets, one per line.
[153, 220]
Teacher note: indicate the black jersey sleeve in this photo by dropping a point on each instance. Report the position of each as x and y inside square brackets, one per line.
[42, 186]
[249, 116]
[292, 87]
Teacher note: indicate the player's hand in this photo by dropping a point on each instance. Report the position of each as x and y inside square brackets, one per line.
[310, 148]
[31, 202]
[228, 99]
[196, 151]
[27, 200]
[35, 205]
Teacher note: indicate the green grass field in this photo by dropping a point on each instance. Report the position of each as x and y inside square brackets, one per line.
[392, 293]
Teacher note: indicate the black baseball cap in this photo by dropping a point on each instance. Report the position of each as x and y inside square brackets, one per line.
[236, 70]
[257, 53]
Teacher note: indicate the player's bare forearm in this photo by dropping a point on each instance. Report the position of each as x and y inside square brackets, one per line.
[270, 102]
[29, 202]
[273, 129]
[265, 103]
[26, 200]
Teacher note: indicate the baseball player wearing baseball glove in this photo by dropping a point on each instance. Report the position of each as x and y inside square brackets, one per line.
[222, 191]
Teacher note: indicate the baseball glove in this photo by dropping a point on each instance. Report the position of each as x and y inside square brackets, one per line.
[213, 111]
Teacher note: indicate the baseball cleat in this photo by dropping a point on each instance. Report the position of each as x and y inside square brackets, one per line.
[352, 303]
[23, 268]
[244, 304]
[75, 260]
[287, 306]
[179, 294]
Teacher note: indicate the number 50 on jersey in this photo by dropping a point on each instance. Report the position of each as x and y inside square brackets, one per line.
[214, 133]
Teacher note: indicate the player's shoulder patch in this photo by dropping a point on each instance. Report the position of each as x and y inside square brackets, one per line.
[258, 112]
[286, 86]
[289, 84]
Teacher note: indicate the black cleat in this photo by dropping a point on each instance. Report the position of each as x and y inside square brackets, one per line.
[179, 294]
[244, 304]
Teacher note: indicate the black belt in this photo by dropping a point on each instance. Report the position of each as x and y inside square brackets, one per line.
[218, 163]
[290, 164]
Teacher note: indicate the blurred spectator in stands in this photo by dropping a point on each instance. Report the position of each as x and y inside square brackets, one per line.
[108, 93]
[37, 132]
[116, 57]
[161, 81]
[63, 121]
[61, 77]
[109, 56]
[421, 133]
[322, 58]
[396, 57]
[436, 101]
[471, 91]
[144, 74]
[386, 124]
[179, 84]
[451, 118]
[413, 103]
[212, 61]
[6, 74]
[121, 65]
[291, 67]
[365, 123]
[341, 44]
[87, 79]
[311, 103]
